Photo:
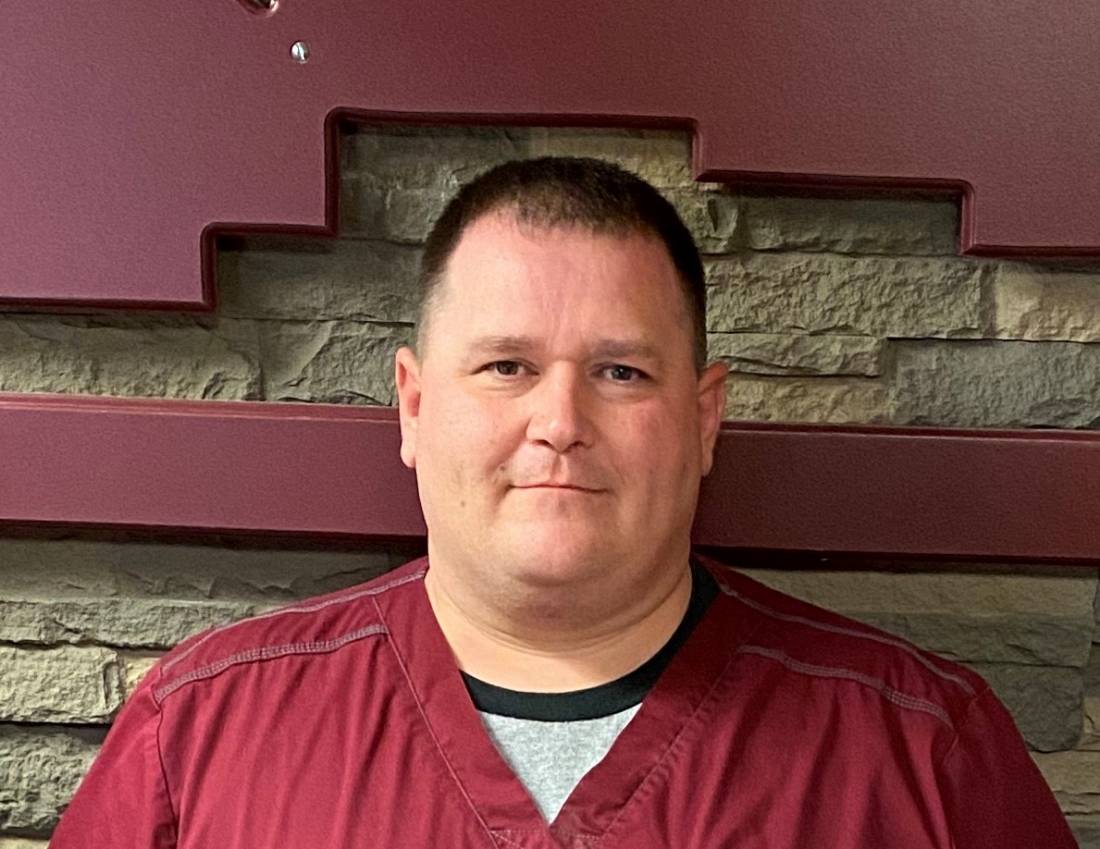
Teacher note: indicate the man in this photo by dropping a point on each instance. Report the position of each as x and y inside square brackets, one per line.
[560, 671]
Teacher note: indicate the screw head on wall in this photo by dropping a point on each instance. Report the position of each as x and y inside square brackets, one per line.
[299, 51]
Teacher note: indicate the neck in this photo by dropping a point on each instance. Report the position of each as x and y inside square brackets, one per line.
[527, 647]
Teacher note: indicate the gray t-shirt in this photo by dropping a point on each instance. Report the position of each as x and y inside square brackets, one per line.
[551, 758]
[550, 740]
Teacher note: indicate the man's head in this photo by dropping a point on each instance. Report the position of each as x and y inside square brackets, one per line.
[558, 417]
[567, 192]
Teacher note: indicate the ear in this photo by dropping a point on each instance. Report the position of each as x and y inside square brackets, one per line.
[712, 407]
[407, 378]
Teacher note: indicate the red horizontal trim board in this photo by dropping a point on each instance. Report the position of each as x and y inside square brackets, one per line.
[325, 470]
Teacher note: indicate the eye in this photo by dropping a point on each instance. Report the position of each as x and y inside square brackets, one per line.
[624, 374]
[504, 368]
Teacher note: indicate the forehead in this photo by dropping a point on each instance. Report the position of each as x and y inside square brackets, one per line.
[503, 271]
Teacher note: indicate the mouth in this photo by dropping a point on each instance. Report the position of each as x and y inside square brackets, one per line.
[560, 487]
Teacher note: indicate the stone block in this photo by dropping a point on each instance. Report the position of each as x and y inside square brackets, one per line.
[39, 772]
[22, 843]
[402, 216]
[863, 296]
[124, 622]
[405, 217]
[318, 279]
[1086, 830]
[1075, 779]
[224, 570]
[424, 157]
[1042, 619]
[832, 400]
[996, 384]
[1045, 701]
[331, 362]
[1091, 738]
[797, 354]
[1035, 302]
[662, 157]
[387, 196]
[70, 684]
[134, 668]
[894, 225]
[711, 216]
[130, 355]
[995, 638]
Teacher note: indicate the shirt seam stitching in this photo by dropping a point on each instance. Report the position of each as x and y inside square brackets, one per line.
[164, 774]
[851, 632]
[892, 695]
[264, 653]
[939, 765]
[666, 754]
[958, 736]
[435, 738]
[302, 607]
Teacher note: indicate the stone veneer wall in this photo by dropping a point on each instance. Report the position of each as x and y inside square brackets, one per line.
[826, 309]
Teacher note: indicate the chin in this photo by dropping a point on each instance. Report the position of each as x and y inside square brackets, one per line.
[555, 562]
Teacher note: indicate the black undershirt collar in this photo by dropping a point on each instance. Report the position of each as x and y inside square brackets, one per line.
[606, 699]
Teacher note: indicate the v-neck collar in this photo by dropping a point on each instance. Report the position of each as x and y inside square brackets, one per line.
[497, 797]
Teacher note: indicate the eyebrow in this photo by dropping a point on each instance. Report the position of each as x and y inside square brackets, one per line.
[603, 349]
[502, 344]
[613, 349]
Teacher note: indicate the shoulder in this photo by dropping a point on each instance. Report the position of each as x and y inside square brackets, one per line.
[316, 626]
[812, 642]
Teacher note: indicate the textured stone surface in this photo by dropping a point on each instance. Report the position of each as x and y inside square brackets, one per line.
[69, 684]
[388, 195]
[39, 772]
[318, 279]
[874, 296]
[797, 354]
[848, 225]
[132, 622]
[807, 399]
[78, 569]
[1087, 831]
[710, 214]
[395, 182]
[1073, 778]
[1033, 302]
[663, 157]
[402, 216]
[332, 362]
[405, 218]
[130, 355]
[997, 384]
[992, 637]
[442, 158]
[22, 843]
[1091, 738]
[134, 668]
[1042, 618]
[1045, 701]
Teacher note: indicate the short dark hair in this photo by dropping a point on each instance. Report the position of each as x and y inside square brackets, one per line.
[567, 191]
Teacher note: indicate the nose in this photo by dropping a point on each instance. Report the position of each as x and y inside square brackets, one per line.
[559, 416]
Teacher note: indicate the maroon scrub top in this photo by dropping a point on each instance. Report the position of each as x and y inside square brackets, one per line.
[343, 722]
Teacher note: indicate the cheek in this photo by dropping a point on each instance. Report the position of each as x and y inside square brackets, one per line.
[660, 449]
[466, 436]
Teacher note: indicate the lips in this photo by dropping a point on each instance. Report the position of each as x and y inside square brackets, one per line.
[537, 474]
[555, 485]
